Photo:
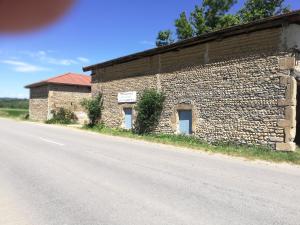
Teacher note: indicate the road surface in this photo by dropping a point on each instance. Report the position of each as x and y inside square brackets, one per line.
[61, 176]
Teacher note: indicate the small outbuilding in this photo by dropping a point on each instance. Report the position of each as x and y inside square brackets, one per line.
[64, 91]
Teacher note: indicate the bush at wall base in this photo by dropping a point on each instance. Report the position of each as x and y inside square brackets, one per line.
[62, 116]
[94, 109]
[149, 109]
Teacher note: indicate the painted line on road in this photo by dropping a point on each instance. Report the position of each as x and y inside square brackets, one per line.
[52, 142]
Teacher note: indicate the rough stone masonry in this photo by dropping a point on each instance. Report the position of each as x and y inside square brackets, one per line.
[239, 83]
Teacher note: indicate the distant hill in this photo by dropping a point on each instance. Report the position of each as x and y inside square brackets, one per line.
[14, 103]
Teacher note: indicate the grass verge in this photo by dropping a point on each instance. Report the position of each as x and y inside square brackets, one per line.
[248, 152]
[13, 113]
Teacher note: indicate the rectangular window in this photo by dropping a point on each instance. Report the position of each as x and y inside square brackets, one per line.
[185, 121]
[128, 118]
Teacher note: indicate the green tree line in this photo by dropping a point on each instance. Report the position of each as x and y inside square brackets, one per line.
[212, 15]
[14, 103]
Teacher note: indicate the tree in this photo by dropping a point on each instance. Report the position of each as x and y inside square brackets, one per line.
[259, 9]
[212, 15]
[164, 38]
[214, 10]
[197, 21]
[184, 29]
[228, 20]
[205, 18]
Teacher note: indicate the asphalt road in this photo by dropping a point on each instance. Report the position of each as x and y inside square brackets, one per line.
[60, 176]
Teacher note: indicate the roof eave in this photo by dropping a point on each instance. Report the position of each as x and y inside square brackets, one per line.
[276, 21]
[35, 85]
[47, 83]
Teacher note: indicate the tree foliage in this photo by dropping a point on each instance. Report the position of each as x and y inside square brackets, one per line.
[228, 20]
[149, 109]
[214, 10]
[184, 29]
[164, 38]
[209, 16]
[259, 9]
[94, 108]
[197, 20]
[213, 15]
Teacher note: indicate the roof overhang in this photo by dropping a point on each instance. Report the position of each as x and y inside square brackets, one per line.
[271, 22]
[39, 84]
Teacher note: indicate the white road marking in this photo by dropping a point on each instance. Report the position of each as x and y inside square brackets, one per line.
[50, 141]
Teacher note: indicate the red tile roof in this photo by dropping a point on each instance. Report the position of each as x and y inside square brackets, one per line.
[68, 79]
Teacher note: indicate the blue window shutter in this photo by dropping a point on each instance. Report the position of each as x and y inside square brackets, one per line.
[185, 121]
[128, 118]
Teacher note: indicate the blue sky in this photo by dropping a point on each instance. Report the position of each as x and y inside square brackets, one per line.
[91, 32]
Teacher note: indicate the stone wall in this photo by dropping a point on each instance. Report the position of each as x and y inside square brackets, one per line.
[46, 98]
[69, 97]
[239, 88]
[113, 112]
[236, 101]
[38, 109]
[38, 103]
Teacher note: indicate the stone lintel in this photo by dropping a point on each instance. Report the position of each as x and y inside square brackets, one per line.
[290, 134]
[284, 123]
[284, 79]
[287, 102]
[287, 63]
[288, 147]
[290, 113]
[291, 91]
[290, 117]
[289, 121]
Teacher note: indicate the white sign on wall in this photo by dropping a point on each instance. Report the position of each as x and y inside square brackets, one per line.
[127, 97]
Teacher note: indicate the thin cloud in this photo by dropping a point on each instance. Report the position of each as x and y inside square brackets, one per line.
[61, 62]
[23, 67]
[83, 59]
[44, 57]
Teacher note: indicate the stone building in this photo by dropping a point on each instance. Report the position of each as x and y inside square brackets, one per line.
[65, 91]
[234, 85]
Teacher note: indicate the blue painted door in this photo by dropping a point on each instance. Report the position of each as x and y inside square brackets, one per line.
[185, 121]
[128, 118]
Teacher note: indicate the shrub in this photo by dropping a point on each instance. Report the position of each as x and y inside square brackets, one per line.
[149, 109]
[26, 116]
[62, 116]
[94, 108]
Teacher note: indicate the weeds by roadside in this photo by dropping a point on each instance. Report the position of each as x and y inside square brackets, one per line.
[14, 113]
[248, 152]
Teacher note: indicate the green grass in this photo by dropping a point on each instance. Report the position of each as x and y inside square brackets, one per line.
[13, 113]
[248, 152]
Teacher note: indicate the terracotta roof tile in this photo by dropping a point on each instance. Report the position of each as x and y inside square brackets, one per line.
[68, 79]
